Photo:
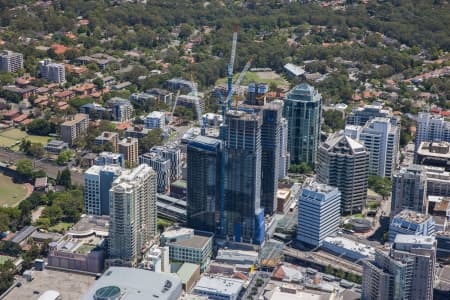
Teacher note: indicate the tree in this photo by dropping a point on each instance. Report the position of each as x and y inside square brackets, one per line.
[39, 127]
[24, 168]
[185, 31]
[334, 119]
[54, 213]
[301, 168]
[64, 157]
[36, 150]
[64, 178]
[380, 185]
[154, 138]
[99, 83]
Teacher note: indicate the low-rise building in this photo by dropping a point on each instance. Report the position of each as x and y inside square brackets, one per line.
[137, 132]
[108, 137]
[186, 245]
[220, 288]
[156, 259]
[139, 284]
[56, 146]
[155, 119]
[189, 274]
[79, 254]
[109, 158]
[348, 248]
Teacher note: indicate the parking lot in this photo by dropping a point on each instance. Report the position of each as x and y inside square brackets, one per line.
[71, 285]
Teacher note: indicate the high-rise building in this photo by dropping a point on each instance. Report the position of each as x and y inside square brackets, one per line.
[343, 163]
[411, 223]
[381, 138]
[74, 127]
[270, 155]
[243, 215]
[161, 166]
[407, 272]
[52, 72]
[129, 147]
[10, 61]
[361, 115]
[302, 110]
[133, 213]
[431, 128]
[203, 183]
[319, 213]
[283, 166]
[171, 152]
[409, 190]
[97, 182]
[256, 92]
[155, 119]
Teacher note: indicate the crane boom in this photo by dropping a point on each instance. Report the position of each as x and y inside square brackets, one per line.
[238, 81]
[233, 49]
[175, 105]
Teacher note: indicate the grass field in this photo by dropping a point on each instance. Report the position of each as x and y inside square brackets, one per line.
[263, 77]
[9, 137]
[10, 193]
[60, 227]
[4, 258]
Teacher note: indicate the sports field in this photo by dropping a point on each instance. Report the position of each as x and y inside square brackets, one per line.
[11, 193]
[9, 137]
[263, 77]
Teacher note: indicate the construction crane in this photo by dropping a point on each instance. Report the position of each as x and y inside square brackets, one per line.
[230, 66]
[197, 103]
[238, 81]
[174, 106]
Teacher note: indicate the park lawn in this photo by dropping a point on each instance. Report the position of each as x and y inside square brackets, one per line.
[5, 258]
[11, 193]
[253, 76]
[10, 136]
[61, 226]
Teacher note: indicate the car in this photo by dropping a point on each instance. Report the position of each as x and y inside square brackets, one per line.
[36, 292]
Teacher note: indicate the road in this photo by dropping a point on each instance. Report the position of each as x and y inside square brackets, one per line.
[49, 167]
[324, 259]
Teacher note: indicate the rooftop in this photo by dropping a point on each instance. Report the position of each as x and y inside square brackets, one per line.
[411, 216]
[414, 239]
[197, 241]
[351, 245]
[186, 270]
[140, 284]
[222, 285]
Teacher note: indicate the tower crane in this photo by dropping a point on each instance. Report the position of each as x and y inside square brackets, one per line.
[230, 66]
[238, 81]
[197, 103]
[174, 106]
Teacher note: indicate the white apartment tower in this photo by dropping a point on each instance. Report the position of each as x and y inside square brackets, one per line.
[52, 71]
[11, 61]
[431, 128]
[381, 138]
[133, 213]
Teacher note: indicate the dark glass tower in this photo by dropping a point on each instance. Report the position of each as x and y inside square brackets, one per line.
[244, 218]
[302, 109]
[270, 150]
[203, 183]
